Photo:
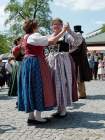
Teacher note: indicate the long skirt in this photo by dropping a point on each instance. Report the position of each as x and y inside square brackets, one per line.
[31, 87]
[62, 72]
[13, 81]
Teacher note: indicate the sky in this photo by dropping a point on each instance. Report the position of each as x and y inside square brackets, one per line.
[87, 13]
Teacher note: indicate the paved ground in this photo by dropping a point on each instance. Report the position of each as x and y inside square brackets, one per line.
[85, 120]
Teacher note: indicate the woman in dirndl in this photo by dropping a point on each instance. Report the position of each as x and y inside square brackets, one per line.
[62, 66]
[35, 90]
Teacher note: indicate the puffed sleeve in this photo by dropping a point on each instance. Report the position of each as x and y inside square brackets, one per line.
[74, 40]
[37, 39]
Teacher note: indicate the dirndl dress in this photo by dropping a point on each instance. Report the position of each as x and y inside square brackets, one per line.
[35, 86]
[63, 73]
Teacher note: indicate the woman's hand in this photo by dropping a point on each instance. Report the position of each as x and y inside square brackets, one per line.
[65, 27]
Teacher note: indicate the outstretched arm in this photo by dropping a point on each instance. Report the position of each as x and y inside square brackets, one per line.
[76, 41]
[54, 39]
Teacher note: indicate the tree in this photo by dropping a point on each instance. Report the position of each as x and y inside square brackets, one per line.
[103, 28]
[33, 9]
[4, 44]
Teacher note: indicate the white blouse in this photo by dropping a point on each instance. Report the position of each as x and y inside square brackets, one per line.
[37, 39]
[74, 40]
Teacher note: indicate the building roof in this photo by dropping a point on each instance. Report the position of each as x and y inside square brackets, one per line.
[94, 32]
[96, 39]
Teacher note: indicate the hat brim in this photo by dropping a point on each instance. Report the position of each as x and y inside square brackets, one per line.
[78, 31]
[81, 32]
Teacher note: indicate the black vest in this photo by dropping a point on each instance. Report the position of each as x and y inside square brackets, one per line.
[63, 46]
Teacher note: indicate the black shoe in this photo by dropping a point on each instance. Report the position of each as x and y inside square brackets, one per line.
[33, 122]
[58, 115]
[82, 97]
[17, 103]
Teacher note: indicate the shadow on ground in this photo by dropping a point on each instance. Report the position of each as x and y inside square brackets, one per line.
[4, 128]
[96, 97]
[78, 105]
[4, 94]
[6, 97]
[76, 120]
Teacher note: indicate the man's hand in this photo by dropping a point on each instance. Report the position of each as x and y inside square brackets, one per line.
[68, 29]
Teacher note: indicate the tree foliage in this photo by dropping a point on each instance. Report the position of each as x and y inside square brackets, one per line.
[4, 44]
[103, 28]
[33, 9]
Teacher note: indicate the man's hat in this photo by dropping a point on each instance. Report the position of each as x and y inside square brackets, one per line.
[77, 28]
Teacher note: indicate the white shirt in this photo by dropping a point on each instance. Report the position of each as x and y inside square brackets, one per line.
[74, 40]
[37, 39]
[8, 67]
